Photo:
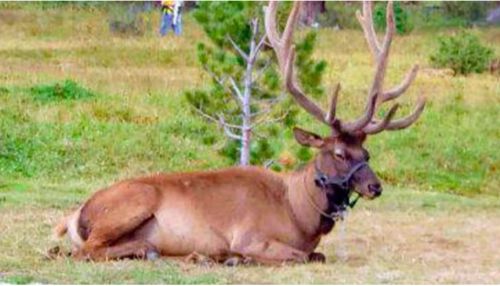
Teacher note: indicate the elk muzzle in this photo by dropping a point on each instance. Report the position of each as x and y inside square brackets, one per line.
[366, 183]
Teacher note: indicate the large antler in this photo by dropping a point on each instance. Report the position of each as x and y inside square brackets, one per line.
[380, 54]
[380, 51]
[286, 54]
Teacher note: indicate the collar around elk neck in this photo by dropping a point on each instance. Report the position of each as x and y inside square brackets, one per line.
[324, 181]
[340, 188]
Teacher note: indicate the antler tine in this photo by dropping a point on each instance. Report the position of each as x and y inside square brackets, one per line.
[287, 36]
[281, 44]
[272, 30]
[376, 127]
[352, 127]
[386, 123]
[367, 24]
[381, 57]
[402, 87]
[330, 117]
[410, 119]
[285, 53]
[298, 94]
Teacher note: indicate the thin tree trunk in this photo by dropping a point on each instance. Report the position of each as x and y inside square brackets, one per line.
[243, 98]
[246, 132]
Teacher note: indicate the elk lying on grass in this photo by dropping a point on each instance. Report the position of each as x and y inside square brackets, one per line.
[248, 212]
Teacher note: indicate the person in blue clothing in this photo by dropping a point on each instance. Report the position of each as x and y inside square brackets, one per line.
[171, 17]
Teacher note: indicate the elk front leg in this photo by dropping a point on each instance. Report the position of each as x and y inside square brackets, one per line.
[131, 249]
[273, 253]
[199, 259]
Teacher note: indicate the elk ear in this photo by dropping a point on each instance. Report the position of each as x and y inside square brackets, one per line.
[307, 138]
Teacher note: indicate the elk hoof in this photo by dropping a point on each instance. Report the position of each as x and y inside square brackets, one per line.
[152, 255]
[249, 261]
[233, 261]
[55, 252]
[80, 256]
[199, 259]
[317, 257]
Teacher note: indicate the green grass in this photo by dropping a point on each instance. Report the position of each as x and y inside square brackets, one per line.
[452, 148]
[66, 90]
[54, 153]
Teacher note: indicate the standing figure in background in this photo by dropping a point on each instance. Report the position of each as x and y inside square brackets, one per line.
[178, 17]
[171, 16]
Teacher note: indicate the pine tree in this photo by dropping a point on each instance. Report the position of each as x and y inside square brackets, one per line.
[245, 97]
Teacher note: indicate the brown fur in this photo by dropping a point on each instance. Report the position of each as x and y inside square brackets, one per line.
[245, 212]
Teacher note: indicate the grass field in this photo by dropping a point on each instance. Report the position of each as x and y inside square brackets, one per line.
[437, 222]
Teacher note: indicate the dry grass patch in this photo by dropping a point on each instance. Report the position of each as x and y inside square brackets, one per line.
[403, 237]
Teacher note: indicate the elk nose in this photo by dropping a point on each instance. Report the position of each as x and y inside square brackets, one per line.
[376, 189]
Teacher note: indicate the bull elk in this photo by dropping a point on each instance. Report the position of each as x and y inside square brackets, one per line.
[249, 212]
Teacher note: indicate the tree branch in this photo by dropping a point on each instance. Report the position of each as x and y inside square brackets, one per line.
[261, 71]
[227, 129]
[252, 56]
[269, 103]
[236, 89]
[214, 76]
[222, 123]
[238, 49]
[236, 94]
[261, 43]
[269, 121]
[211, 118]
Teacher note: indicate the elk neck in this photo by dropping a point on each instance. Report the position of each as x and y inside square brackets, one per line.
[302, 194]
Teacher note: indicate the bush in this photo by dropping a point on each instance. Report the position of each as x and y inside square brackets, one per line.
[67, 90]
[403, 23]
[463, 53]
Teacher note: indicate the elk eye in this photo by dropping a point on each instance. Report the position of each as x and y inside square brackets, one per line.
[339, 155]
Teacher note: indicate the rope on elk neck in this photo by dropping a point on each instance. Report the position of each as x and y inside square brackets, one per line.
[332, 216]
[341, 185]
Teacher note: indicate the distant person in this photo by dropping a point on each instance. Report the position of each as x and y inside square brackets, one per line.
[171, 16]
[167, 10]
[178, 16]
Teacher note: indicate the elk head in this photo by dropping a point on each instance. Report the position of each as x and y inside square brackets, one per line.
[341, 158]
